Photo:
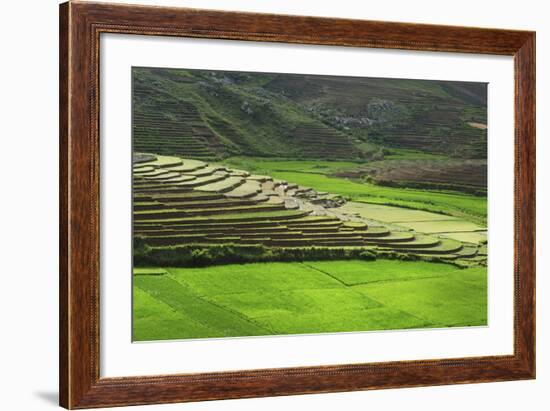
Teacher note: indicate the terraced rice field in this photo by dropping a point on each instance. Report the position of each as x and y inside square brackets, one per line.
[469, 142]
[302, 298]
[421, 221]
[323, 142]
[171, 126]
[190, 202]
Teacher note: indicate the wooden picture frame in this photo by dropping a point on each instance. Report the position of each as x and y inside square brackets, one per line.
[81, 24]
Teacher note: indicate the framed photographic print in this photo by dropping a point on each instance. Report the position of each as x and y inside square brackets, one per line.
[257, 205]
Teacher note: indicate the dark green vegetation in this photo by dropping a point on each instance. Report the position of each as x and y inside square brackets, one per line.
[208, 114]
[303, 204]
[298, 298]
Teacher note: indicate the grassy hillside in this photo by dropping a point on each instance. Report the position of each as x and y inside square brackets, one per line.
[431, 116]
[231, 115]
[215, 114]
[300, 298]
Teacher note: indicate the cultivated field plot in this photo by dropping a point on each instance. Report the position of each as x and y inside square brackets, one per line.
[477, 237]
[272, 204]
[421, 221]
[301, 298]
[389, 214]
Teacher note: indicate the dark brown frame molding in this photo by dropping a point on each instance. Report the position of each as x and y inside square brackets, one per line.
[81, 24]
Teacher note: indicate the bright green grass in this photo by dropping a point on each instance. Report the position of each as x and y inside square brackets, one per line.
[324, 301]
[298, 298]
[259, 277]
[343, 319]
[459, 298]
[218, 320]
[154, 319]
[358, 272]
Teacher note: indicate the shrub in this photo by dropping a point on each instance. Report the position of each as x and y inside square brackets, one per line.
[201, 256]
[367, 255]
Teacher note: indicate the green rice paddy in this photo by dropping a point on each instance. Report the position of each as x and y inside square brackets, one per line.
[302, 298]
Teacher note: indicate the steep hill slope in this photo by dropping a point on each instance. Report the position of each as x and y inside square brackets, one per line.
[215, 114]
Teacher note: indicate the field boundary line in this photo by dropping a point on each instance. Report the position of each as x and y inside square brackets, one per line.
[218, 306]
